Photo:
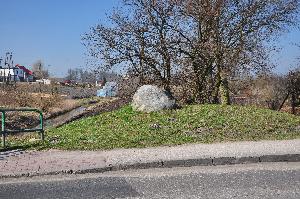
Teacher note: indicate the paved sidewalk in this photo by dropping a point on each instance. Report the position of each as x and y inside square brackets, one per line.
[26, 163]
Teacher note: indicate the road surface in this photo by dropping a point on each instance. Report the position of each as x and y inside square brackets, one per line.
[267, 180]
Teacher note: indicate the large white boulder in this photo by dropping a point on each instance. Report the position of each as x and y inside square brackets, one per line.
[149, 98]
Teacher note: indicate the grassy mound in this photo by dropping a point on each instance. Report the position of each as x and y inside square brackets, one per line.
[126, 128]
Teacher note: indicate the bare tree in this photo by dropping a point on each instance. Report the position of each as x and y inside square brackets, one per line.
[231, 36]
[209, 41]
[294, 88]
[39, 70]
[142, 41]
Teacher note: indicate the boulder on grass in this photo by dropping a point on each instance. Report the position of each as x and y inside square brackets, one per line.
[149, 98]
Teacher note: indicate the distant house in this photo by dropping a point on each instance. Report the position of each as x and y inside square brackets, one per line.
[28, 74]
[17, 73]
[11, 74]
[44, 81]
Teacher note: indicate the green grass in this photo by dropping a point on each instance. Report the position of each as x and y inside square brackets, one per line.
[126, 128]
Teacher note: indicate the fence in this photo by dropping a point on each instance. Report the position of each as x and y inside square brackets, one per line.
[5, 131]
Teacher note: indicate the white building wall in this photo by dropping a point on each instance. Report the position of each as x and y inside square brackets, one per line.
[13, 72]
[5, 72]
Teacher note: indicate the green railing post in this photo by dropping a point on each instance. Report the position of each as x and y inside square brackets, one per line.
[3, 129]
[42, 126]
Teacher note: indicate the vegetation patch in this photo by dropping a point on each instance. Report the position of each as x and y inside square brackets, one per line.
[126, 128]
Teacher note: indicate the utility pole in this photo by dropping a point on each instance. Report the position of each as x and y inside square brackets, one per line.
[8, 64]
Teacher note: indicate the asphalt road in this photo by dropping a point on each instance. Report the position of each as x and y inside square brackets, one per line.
[268, 180]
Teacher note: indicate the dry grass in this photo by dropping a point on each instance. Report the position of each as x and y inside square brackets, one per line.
[19, 97]
[63, 106]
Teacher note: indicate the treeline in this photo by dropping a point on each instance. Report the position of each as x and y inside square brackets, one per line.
[269, 90]
[199, 44]
[80, 75]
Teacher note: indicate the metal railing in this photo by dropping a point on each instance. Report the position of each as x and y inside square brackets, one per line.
[5, 131]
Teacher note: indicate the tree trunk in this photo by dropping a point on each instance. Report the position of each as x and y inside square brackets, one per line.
[199, 86]
[217, 87]
[293, 102]
[224, 90]
[286, 97]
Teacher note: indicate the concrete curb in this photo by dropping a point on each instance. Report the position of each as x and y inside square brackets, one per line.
[172, 163]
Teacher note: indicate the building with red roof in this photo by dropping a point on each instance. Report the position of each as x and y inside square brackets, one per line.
[17, 74]
[27, 74]
[27, 71]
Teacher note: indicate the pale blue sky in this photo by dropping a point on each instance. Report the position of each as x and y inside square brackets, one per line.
[51, 30]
